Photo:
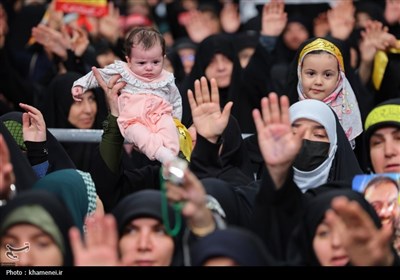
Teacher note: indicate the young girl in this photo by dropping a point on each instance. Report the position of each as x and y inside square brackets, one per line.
[150, 100]
[321, 76]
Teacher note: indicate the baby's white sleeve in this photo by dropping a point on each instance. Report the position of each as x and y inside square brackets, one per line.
[89, 81]
[176, 101]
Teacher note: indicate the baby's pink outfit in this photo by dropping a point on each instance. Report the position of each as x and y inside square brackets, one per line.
[146, 110]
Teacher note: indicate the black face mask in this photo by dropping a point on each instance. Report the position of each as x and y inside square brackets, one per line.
[311, 155]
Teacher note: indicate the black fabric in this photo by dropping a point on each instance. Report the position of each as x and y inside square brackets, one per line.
[277, 212]
[142, 204]
[53, 206]
[237, 202]
[238, 244]
[111, 187]
[300, 250]
[390, 85]
[24, 174]
[37, 152]
[57, 156]
[236, 91]
[344, 166]
[146, 204]
[231, 165]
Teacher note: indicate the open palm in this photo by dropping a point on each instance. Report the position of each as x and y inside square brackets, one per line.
[207, 116]
[278, 145]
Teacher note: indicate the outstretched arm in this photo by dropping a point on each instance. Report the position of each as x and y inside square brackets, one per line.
[278, 145]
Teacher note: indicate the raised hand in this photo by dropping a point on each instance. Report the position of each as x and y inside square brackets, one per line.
[279, 146]
[321, 25]
[230, 18]
[365, 244]
[341, 19]
[101, 243]
[208, 119]
[198, 27]
[274, 18]
[54, 41]
[109, 24]
[33, 124]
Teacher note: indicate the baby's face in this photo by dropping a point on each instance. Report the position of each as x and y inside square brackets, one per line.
[319, 75]
[146, 63]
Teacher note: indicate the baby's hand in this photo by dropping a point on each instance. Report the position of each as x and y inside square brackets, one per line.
[77, 92]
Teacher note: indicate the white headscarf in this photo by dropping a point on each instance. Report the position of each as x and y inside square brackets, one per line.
[321, 113]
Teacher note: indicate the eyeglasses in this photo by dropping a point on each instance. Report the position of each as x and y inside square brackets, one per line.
[189, 57]
[387, 206]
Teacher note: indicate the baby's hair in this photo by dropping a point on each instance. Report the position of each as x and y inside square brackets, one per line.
[147, 37]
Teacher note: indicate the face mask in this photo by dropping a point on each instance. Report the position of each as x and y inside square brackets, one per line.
[312, 154]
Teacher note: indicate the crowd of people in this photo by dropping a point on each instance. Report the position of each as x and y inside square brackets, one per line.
[273, 116]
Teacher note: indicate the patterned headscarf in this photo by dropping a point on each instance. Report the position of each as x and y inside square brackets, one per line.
[342, 100]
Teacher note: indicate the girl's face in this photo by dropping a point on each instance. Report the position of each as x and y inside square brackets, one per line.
[220, 68]
[146, 63]
[41, 251]
[319, 75]
[82, 114]
[328, 247]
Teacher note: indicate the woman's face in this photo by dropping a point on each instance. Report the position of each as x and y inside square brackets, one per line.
[328, 247]
[220, 68]
[41, 250]
[319, 75]
[314, 131]
[294, 35]
[385, 150]
[82, 114]
[187, 57]
[145, 243]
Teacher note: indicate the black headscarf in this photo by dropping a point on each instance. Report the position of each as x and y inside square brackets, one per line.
[57, 104]
[144, 204]
[58, 101]
[24, 175]
[233, 164]
[54, 207]
[141, 204]
[238, 244]
[212, 45]
[301, 251]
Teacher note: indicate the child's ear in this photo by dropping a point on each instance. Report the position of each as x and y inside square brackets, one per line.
[127, 59]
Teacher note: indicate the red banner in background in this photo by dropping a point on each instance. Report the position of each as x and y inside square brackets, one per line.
[93, 8]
